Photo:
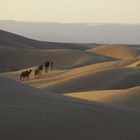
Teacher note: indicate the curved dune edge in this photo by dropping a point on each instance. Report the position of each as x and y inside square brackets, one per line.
[13, 59]
[135, 64]
[35, 113]
[92, 77]
[118, 51]
[127, 97]
[37, 109]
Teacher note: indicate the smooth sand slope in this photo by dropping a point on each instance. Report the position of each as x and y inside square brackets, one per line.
[118, 51]
[112, 79]
[11, 40]
[29, 113]
[125, 72]
[109, 75]
[136, 63]
[106, 80]
[128, 97]
[112, 76]
[14, 59]
[17, 52]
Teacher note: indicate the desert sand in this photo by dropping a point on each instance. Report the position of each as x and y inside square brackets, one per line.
[126, 97]
[92, 93]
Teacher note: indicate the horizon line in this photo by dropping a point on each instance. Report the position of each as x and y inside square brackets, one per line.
[34, 21]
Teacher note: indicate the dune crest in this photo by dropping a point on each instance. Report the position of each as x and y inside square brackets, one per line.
[127, 98]
[89, 93]
[117, 51]
[35, 114]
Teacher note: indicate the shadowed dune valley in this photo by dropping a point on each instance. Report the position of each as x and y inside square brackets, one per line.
[68, 91]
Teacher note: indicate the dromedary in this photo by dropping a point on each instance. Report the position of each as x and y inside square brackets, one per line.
[25, 75]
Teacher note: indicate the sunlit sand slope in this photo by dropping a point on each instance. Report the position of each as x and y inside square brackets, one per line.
[14, 59]
[128, 97]
[30, 113]
[109, 75]
[118, 51]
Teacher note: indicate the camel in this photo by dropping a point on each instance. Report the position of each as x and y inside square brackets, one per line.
[37, 73]
[41, 68]
[25, 75]
[47, 64]
[52, 66]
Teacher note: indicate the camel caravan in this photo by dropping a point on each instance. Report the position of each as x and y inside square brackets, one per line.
[24, 76]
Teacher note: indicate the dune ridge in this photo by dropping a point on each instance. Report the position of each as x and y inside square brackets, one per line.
[90, 94]
[126, 97]
[117, 51]
[23, 52]
[19, 59]
[12, 40]
[35, 113]
[93, 77]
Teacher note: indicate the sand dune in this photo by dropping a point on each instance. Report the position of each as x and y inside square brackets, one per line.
[30, 113]
[17, 52]
[106, 80]
[117, 51]
[136, 63]
[11, 40]
[14, 59]
[128, 97]
[93, 77]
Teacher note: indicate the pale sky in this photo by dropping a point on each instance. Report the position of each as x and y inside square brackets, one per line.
[87, 11]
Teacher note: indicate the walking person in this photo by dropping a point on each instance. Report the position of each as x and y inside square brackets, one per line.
[52, 66]
[47, 66]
